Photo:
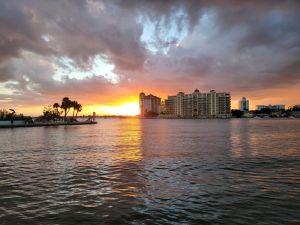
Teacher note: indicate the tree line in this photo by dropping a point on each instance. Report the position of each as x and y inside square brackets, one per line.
[10, 114]
[58, 111]
[267, 111]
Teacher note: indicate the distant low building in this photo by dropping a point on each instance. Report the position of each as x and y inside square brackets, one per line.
[295, 114]
[244, 105]
[272, 107]
[149, 104]
[248, 115]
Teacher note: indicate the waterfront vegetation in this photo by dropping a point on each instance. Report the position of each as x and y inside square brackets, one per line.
[10, 114]
[293, 111]
[60, 112]
[57, 112]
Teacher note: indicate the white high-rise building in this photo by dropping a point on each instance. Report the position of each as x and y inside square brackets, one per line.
[244, 104]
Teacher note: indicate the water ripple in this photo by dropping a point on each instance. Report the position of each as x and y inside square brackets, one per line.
[152, 172]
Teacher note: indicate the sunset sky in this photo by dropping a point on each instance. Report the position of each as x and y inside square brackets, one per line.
[103, 53]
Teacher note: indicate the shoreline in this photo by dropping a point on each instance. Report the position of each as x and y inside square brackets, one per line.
[216, 118]
[48, 124]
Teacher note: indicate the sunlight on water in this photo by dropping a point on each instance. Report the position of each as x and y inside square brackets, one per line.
[131, 171]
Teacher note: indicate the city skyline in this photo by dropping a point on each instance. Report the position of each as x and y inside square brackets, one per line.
[193, 105]
[83, 50]
[132, 107]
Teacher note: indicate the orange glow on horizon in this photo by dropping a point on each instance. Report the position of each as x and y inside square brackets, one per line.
[123, 108]
[128, 103]
[126, 109]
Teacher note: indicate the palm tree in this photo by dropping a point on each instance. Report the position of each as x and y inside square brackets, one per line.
[12, 111]
[12, 114]
[56, 106]
[74, 106]
[66, 106]
[78, 108]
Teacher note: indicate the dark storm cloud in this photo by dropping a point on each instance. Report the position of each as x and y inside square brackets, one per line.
[75, 29]
[6, 73]
[18, 30]
[231, 44]
[289, 74]
[104, 31]
[247, 39]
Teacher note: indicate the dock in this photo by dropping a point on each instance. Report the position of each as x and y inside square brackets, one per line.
[49, 124]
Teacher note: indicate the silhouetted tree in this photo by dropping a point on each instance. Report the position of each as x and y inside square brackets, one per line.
[78, 108]
[255, 112]
[237, 113]
[66, 105]
[50, 113]
[296, 108]
[56, 106]
[74, 106]
[266, 111]
[3, 113]
[12, 114]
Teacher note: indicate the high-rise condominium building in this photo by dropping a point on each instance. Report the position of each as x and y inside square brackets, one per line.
[244, 104]
[200, 105]
[170, 105]
[149, 104]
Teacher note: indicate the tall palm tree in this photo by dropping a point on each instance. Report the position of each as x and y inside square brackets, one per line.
[66, 105]
[74, 106]
[78, 109]
[12, 114]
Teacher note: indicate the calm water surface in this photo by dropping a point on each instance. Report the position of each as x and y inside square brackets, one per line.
[124, 171]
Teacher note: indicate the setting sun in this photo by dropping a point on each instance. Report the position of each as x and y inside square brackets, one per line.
[127, 109]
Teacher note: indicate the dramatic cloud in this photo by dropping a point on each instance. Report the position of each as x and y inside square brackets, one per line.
[101, 50]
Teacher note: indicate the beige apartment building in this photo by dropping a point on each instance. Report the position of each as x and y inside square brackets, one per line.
[149, 104]
[199, 105]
